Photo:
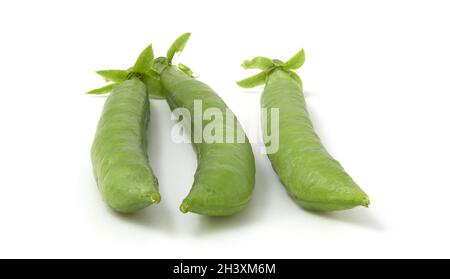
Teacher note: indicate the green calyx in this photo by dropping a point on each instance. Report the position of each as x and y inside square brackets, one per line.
[142, 69]
[177, 46]
[268, 65]
[147, 69]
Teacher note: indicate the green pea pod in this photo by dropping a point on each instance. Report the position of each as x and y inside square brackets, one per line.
[225, 175]
[119, 151]
[309, 173]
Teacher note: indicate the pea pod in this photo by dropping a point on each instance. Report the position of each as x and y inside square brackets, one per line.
[309, 173]
[119, 151]
[225, 175]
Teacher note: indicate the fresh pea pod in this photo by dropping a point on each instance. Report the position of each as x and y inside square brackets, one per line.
[310, 174]
[119, 151]
[225, 175]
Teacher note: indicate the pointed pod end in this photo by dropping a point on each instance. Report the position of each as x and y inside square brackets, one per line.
[365, 202]
[155, 197]
[184, 207]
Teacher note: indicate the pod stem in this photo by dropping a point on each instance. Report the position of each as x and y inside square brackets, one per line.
[141, 69]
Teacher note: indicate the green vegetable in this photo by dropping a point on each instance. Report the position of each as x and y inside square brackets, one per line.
[119, 152]
[311, 176]
[225, 175]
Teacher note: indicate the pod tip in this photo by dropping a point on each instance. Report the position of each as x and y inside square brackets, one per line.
[184, 207]
[365, 202]
[155, 197]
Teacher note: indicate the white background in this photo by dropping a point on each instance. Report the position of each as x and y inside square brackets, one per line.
[376, 81]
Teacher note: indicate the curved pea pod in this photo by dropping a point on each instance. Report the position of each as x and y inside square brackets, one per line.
[309, 173]
[225, 175]
[119, 152]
